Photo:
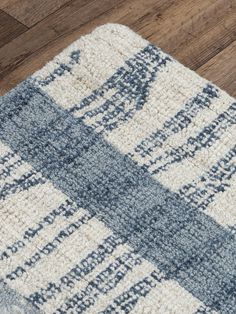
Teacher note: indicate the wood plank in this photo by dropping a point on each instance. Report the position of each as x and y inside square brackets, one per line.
[192, 31]
[29, 12]
[222, 69]
[9, 28]
[62, 22]
[200, 49]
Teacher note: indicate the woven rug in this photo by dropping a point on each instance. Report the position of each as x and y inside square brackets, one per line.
[117, 171]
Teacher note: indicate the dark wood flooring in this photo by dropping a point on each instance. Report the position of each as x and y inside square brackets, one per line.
[199, 33]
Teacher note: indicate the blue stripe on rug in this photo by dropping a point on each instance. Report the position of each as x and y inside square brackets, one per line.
[12, 302]
[131, 84]
[61, 69]
[208, 136]
[184, 243]
[181, 120]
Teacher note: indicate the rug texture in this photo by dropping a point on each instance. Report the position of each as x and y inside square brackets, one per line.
[117, 174]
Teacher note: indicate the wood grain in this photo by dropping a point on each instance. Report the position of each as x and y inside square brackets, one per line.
[194, 32]
[222, 69]
[61, 23]
[29, 12]
[9, 28]
[210, 26]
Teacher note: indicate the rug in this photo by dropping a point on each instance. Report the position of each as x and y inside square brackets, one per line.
[117, 171]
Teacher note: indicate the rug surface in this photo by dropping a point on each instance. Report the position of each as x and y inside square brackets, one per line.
[117, 185]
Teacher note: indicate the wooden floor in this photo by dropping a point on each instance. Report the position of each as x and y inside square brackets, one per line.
[199, 33]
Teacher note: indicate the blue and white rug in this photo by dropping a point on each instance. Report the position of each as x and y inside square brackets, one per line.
[117, 185]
